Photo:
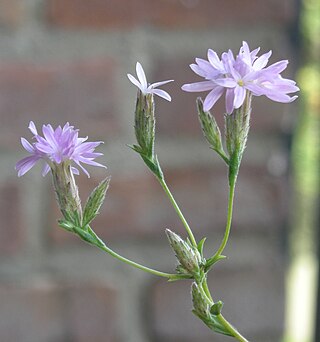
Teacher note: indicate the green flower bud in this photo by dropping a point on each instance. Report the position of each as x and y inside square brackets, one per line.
[237, 128]
[188, 256]
[67, 194]
[145, 124]
[209, 127]
[201, 305]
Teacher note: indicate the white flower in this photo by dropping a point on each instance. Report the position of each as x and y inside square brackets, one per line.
[142, 84]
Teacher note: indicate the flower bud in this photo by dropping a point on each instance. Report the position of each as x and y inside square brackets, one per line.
[207, 312]
[209, 127]
[67, 194]
[237, 129]
[145, 124]
[201, 305]
[188, 256]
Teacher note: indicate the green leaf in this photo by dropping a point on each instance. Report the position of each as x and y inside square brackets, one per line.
[95, 202]
[85, 236]
[99, 242]
[135, 148]
[200, 246]
[210, 262]
[216, 308]
[67, 225]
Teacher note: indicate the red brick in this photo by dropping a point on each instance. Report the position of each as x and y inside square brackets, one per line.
[81, 93]
[92, 313]
[206, 13]
[10, 213]
[253, 303]
[44, 312]
[11, 13]
[179, 118]
[167, 13]
[138, 207]
[31, 314]
[94, 13]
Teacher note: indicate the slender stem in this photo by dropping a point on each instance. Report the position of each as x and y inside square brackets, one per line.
[235, 333]
[136, 265]
[206, 289]
[178, 211]
[229, 219]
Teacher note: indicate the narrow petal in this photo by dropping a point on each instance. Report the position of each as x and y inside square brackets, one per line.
[212, 98]
[214, 60]
[281, 97]
[162, 94]
[48, 133]
[226, 82]
[75, 171]
[199, 86]
[277, 67]
[158, 84]
[262, 61]
[239, 96]
[135, 81]
[141, 75]
[91, 162]
[229, 100]
[32, 128]
[82, 168]
[25, 143]
[45, 169]
[205, 66]
[25, 164]
[197, 70]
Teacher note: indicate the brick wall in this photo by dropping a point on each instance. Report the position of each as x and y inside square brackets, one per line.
[67, 60]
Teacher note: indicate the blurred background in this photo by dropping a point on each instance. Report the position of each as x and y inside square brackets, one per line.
[67, 60]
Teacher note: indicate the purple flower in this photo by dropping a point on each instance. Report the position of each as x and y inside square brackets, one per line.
[142, 84]
[240, 75]
[58, 146]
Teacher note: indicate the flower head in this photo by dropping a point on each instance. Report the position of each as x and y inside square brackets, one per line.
[58, 146]
[146, 88]
[238, 75]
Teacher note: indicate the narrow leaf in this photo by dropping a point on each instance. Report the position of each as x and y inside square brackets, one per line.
[95, 202]
[200, 245]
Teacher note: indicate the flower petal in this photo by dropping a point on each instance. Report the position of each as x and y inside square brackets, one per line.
[25, 143]
[229, 100]
[32, 128]
[199, 86]
[212, 98]
[135, 81]
[226, 82]
[25, 164]
[162, 94]
[239, 96]
[158, 84]
[45, 169]
[141, 76]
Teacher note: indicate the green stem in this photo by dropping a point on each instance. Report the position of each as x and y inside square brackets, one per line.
[229, 220]
[206, 289]
[233, 331]
[136, 265]
[178, 211]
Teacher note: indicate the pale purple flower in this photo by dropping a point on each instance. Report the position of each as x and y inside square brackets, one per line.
[57, 146]
[146, 88]
[239, 75]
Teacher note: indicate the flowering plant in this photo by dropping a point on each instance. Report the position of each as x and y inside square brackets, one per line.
[62, 152]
